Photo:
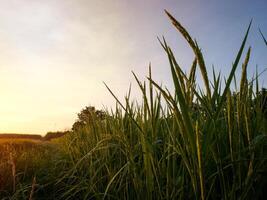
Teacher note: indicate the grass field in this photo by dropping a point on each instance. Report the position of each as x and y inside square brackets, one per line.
[21, 161]
[18, 140]
[183, 144]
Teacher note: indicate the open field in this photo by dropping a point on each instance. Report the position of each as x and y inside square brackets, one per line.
[17, 138]
[183, 144]
[21, 161]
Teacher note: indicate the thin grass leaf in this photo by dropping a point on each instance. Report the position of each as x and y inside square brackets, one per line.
[265, 41]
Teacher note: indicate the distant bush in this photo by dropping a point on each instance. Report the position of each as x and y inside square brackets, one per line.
[52, 135]
[87, 116]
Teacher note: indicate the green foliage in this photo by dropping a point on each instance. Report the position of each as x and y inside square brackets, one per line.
[53, 135]
[198, 146]
[86, 117]
[20, 162]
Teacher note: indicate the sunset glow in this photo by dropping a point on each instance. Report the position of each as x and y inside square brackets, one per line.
[55, 55]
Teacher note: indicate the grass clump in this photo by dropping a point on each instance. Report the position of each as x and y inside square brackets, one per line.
[182, 145]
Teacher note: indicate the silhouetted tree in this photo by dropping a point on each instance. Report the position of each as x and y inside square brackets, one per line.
[87, 116]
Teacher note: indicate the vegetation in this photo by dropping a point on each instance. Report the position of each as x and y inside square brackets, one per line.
[20, 136]
[86, 116]
[186, 144]
[53, 135]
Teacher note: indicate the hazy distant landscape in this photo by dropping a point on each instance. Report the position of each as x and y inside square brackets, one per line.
[203, 138]
[17, 136]
[20, 136]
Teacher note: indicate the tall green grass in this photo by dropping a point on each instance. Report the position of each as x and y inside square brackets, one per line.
[182, 145]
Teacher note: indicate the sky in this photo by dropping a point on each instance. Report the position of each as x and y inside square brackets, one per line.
[55, 54]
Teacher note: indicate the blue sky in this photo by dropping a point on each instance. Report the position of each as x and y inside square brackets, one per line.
[55, 54]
